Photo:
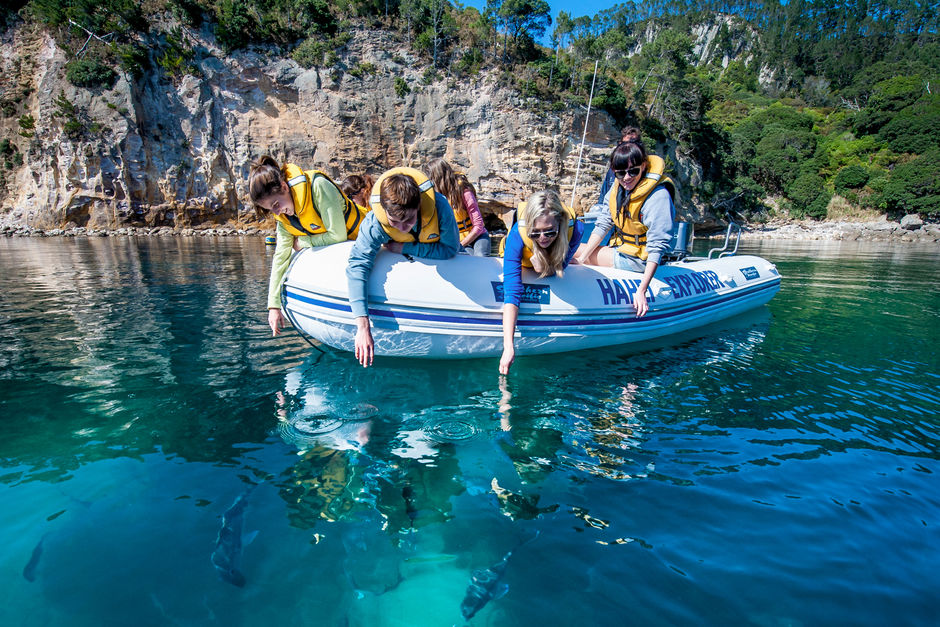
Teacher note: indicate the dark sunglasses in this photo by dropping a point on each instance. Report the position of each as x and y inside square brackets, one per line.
[634, 171]
[538, 234]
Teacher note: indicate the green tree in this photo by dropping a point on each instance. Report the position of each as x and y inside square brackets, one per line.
[808, 196]
[851, 177]
[235, 24]
[888, 98]
[915, 186]
[916, 128]
[89, 72]
[522, 19]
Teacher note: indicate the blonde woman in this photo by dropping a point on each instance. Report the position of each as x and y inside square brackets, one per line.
[474, 238]
[544, 238]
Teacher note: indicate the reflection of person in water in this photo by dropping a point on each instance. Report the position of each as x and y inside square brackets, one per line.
[528, 447]
[322, 485]
[414, 493]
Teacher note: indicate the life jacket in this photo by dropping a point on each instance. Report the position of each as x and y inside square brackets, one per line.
[464, 223]
[430, 230]
[306, 219]
[629, 235]
[527, 244]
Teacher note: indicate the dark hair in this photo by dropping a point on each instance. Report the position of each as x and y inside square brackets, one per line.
[628, 154]
[354, 184]
[400, 196]
[630, 133]
[264, 178]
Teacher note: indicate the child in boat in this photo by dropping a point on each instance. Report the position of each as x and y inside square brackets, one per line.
[407, 217]
[545, 239]
[642, 214]
[310, 210]
[358, 188]
[474, 238]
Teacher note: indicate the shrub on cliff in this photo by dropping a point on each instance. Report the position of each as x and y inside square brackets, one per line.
[176, 58]
[887, 98]
[915, 186]
[132, 58]
[311, 53]
[401, 87]
[89, 72]
[808, 196]
[916, 129]
[850, 178]
[235, 26]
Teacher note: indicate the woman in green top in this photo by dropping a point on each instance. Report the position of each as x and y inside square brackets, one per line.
[310, 210]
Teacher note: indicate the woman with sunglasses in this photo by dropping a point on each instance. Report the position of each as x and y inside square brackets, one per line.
[642, 215]
[545, 239]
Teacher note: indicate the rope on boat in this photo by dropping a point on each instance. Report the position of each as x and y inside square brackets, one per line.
[583, 136]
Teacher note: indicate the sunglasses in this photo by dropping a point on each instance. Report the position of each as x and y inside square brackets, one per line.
[632, 172]
[539, 234]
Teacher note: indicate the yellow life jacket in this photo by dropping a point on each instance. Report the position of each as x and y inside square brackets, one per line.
[527, 243]
[430, 230]
[306, 219]
[629, 235]
[464, 223]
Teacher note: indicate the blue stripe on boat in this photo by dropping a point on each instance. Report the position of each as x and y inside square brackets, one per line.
[524, 322]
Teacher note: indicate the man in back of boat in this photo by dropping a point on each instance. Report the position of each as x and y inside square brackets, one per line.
[407, 217]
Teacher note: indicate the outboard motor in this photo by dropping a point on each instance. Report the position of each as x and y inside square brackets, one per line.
[679, 247]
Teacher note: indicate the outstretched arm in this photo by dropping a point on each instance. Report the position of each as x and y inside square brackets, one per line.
[510, 316]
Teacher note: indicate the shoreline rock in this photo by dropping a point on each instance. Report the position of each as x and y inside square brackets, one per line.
[874, 231]
[840, 230]
[134, 231]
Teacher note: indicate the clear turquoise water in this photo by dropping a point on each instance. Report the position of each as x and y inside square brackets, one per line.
[776, 471]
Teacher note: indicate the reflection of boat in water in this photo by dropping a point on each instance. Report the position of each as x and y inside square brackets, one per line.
[452, 309]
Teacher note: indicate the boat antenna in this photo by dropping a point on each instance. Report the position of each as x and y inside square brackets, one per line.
[577, 172]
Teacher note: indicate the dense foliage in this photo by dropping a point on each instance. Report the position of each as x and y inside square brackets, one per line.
[798, 100]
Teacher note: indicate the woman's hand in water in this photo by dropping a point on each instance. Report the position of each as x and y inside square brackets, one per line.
[365, 347]
[509, 355]
[275, 321]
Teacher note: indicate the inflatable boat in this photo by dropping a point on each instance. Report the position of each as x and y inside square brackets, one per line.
[452, 309]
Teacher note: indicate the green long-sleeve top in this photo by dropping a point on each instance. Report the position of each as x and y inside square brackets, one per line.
[329, 203]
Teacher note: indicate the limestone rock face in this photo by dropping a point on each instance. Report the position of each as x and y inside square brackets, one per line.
[163, 152]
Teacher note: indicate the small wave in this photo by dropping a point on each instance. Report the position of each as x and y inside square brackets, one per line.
[452, 429]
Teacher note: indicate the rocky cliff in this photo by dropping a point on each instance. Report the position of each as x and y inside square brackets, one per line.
[159, 151]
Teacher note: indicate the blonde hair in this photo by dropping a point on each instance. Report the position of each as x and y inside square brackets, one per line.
[547, 203]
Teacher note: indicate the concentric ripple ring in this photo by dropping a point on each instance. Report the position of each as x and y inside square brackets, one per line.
[451, 429]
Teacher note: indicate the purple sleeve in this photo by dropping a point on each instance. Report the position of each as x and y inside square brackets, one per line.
[473, 209]
[512, 268]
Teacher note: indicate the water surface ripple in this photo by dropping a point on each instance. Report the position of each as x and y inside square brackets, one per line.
[777, 469]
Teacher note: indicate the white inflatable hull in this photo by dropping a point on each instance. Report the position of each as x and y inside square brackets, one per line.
[452, 309]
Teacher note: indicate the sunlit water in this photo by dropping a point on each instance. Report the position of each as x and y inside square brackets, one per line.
[775, 471]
